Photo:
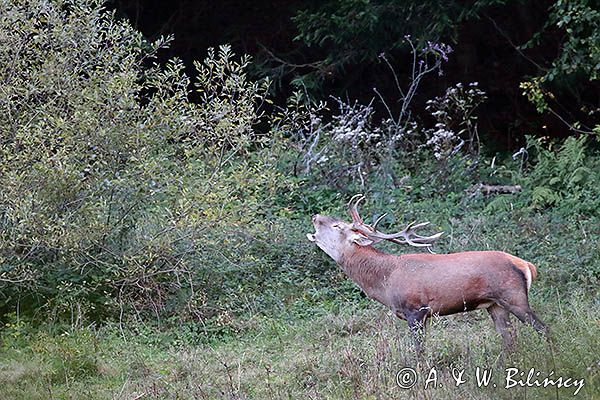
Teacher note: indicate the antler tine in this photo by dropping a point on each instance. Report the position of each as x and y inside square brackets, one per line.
[378, 220]
[410, 242]
[352, 208]
[420, 238]
[428, 239]
[412, 228]
[402, 234]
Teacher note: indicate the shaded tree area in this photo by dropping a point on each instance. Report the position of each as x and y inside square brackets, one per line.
[332, 47]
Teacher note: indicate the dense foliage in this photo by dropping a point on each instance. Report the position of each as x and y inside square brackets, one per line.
[107, 169]
[333, 48]
[122, 198]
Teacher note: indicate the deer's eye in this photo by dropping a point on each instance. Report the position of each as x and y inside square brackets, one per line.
[337, 226]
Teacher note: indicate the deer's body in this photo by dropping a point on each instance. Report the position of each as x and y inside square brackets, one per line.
[441, 283]
[417, 286]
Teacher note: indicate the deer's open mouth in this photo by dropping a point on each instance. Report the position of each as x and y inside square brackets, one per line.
[311, 237]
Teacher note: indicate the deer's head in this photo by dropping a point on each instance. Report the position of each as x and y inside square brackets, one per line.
[335, 237]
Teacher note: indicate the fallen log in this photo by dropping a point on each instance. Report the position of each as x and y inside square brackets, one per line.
[488, 190]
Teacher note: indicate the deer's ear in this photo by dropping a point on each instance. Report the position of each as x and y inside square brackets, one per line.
[361, 240]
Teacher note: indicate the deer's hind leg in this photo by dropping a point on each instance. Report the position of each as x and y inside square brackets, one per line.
[501, 318]
[519, 306]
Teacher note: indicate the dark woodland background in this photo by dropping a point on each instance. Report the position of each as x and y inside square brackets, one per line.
[496, 43]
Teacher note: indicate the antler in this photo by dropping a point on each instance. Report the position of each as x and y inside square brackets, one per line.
[352, 208]
[407, 236]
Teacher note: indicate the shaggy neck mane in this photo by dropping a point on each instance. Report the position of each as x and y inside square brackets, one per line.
[367, 266]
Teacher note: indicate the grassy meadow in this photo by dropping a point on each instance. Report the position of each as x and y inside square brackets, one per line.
[354, 352]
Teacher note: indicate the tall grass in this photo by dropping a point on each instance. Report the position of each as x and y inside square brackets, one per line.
[354, 353]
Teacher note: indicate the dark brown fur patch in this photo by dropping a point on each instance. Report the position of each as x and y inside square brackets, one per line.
[521, 274]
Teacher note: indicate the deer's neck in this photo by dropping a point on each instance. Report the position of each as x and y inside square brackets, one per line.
[369, 268]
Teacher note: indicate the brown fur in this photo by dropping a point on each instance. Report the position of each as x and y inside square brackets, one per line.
[417, 286]
[446, 283]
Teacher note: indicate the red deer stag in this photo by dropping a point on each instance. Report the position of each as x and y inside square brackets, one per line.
[417, 286]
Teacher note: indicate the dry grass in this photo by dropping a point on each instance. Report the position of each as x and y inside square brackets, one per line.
[352, 355]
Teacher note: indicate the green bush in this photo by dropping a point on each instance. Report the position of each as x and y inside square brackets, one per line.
[109, 175]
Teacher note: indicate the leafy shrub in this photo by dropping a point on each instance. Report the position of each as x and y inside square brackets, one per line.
[456, 125]
[70, 357]
[229, 102]
[576, 67]
[581, 22]
[108, 171]
[356, 31]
